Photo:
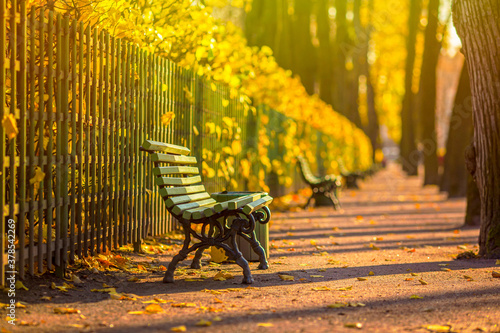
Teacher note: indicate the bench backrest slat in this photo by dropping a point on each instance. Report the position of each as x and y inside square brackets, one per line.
[186, 198]
[165, 147]
[173, 159]
[176, 170]
[177, 181]
[173, 191]
[179, 209]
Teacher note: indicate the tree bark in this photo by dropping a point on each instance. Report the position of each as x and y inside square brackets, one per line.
[408, 148]
[260, 24]
[454, 177]
[339, 49]
[325, 73]
[364, 36]
[304, 53]
[478, 25]
[427, 96]
[473, 211]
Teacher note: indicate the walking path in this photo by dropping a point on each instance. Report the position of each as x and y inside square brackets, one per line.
[385, 263]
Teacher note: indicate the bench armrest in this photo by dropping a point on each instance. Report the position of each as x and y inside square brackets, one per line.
[236, 203]
[257, 204]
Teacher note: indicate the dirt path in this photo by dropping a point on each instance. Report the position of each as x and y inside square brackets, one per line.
[358, 267]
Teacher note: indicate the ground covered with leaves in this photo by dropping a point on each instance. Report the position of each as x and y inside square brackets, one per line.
[384, 263]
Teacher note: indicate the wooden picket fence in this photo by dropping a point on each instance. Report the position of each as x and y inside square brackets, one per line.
[76, 104]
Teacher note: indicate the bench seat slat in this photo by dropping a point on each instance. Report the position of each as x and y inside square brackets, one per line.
[199, 212]
[177, 180]
[240, 202]
[173, 159]
[165, 147]
[179, 209]
[176, 170]
[186, 198]
[172, 191]
[252, 206]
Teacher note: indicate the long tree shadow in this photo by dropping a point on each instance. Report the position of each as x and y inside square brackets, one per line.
[442, 302]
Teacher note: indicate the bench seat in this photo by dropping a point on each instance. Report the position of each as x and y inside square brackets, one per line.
[180, 185]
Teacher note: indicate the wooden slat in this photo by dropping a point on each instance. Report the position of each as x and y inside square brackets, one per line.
[175, 159]
[240, 202]
[165, 147]
[174, 170]
[186, 198]
[177, 210]
[199, 213]
[221, 206]
[177, 181]
[170, 191]
[249, 208]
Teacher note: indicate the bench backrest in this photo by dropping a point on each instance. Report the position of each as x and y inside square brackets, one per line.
[177, 176]
[308, 176]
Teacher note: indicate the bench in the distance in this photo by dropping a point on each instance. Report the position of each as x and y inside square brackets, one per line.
[324, 189]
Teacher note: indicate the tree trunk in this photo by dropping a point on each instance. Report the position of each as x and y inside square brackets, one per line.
[473, 211]
[260, 24]
[304, 54]
[478, 25]
[325, 72]
[427, 96]
[364, 36]
[409, 153]
[454, 178]
[340, 46]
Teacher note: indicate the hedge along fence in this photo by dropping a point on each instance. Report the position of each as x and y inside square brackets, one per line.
[76, 105]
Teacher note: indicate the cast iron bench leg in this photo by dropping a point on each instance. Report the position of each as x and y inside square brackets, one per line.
[169, 274]
[196, 263]
[258, 249]
[237, 255]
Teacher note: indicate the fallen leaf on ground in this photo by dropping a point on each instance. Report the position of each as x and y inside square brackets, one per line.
[337, 305]
[178, 329]
[415, 297]
[438, 328]
[286, 277]
[362, 279]
[317, 276]
[65, 310]
[495, 274]
[265, 325]
[371, 273]
[203, 322]
[76, 279]
[158, 300]
[136, 312]
[320, 289]
[184, 305]
[353, 325]
[154, 308]
[344, 288]
[423, 282]
[20, 285]
[497, 262]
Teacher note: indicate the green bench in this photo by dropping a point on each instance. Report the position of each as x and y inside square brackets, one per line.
[350, 177]
[324, 189]
[186, 199]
